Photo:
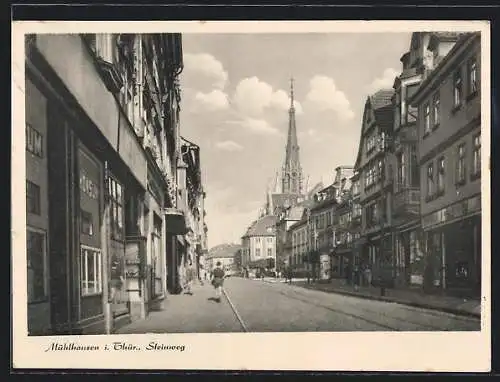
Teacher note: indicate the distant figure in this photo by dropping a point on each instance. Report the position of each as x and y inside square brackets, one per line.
[190, 275]
[218, 280]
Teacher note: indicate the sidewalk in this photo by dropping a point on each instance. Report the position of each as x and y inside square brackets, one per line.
[184, 313]
[449, 304]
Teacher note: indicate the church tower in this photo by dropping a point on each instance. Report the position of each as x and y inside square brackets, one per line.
[291, 175]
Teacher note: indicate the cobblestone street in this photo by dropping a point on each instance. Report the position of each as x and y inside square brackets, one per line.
[260, 306]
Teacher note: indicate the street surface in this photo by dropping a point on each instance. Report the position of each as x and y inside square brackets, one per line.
[260, 306]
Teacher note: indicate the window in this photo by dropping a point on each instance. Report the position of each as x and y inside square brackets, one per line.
[116, 209]
[457, 89]
[370, 144]
[269, 239]
[411, 112]
[87, 226]
[37, 265]
[427, 119]
[257, 240]
[401, 170]
[32, 198]
[441, 175]
[460, 176]
[380, 170]
[269, 252]
[355, 187]
[90, 271]
[257, 252]
[476, 156]
[430, 180]
[414, 167]
[436, 103]
[473, 77]
[372, 215]
[356, 212]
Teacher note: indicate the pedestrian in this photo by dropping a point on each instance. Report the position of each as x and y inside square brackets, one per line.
[189, 279]
[218, 280]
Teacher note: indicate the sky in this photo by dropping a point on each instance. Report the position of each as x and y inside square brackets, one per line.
[235, 101]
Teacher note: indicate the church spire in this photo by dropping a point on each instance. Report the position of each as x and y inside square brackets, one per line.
[292, 171]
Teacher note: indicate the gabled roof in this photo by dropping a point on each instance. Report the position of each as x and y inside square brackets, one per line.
[381, 104]
[265, 226]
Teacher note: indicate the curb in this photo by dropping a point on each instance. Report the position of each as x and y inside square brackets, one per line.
[454, 311]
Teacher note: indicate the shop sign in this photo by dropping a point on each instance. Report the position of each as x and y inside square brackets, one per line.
[88, 186]
[453, 212]
[34, 141]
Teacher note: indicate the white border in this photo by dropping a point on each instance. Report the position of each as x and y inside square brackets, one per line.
[378, 351]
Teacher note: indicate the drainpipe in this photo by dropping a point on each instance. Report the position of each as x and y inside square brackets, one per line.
[108, 313]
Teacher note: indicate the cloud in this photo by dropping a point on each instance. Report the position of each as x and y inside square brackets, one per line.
[253, 96]
[229, 146]
[384, 82]
[215, 100]
[324, 95]
[259, 126]
[205, 65]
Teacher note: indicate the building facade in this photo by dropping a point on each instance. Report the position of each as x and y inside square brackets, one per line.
[449, 134]
[301, 245]
[102, 129]
[374, 171]
[259, 244]
[321, 234]
[408, 251]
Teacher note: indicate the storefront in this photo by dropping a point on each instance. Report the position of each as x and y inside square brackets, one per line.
[37, 214]
[453, 248]
[409, 258]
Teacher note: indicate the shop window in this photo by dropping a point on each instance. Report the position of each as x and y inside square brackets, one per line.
[476, 156]
[460, 176]
[37, 265]
[90, 271]
[116, 209]
[457, 89]
[87, 225]
[33, 198]
[156, 258]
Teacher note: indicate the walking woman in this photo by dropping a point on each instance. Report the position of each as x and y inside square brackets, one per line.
[218, 280]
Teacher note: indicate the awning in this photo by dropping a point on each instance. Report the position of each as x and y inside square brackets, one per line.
[175, 222]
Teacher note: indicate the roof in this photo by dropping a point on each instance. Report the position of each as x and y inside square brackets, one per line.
[296, 213]
[223, 251]
[381, 98]
[265, 226]
[283, 200]
[381, 104]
